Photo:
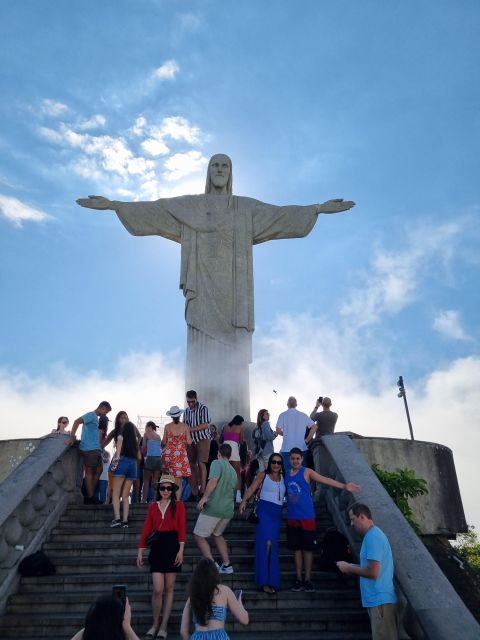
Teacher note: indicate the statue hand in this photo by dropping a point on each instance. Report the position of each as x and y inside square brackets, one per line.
[335, 206]
[95, 202]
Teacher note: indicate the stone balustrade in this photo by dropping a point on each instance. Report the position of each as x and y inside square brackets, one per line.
[32, 499]
[435, 611]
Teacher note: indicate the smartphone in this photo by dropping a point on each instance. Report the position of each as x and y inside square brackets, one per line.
[238, 594]
[120, 592]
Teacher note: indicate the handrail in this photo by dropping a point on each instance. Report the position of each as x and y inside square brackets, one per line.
[439, 610]
[32, 499]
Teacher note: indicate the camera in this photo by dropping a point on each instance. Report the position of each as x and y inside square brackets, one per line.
[320, 399]
[120, 592]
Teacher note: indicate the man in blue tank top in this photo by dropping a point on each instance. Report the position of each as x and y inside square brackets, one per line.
[376, 574]
[301, 526]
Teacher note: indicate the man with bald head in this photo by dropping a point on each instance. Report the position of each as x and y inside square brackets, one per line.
[292, 425]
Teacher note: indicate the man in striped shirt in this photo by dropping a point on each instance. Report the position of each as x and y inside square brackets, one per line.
[197, 417]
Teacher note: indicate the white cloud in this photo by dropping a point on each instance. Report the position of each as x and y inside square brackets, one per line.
[97, 157]
[448, 323]
[93, 123]
[183, 164]
[167, 71]
[53, 108]
[395, 276]
[113, 154]
[328, 363]
[178, 128]
[155, 147]
[18, 212]
[139, 126]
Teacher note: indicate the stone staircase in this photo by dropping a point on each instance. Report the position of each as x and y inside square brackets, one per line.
[90, 557]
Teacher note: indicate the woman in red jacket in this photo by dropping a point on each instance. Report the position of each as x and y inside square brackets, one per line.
[167, 518]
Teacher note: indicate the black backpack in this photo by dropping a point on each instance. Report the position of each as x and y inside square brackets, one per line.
[334, 547]
[36, 565]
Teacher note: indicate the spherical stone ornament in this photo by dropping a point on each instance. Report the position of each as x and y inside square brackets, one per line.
[58, 472]
[12, 531]
[26, 513]
[49, 484]
[38, 498]
[4, 548]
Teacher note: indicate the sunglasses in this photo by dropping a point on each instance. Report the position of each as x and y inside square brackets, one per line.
[63, 421]
[191, 401]
[276, 461]
[165, 488]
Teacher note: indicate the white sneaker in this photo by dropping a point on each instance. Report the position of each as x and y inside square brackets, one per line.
[226, 568]
[238, 499]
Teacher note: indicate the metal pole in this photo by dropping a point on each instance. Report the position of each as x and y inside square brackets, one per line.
[403, 394]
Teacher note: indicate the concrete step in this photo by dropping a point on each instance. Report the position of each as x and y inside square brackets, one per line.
[48, 603]
[124, 562]
[246, 635]
[91, 548]
[314, 619]
[140, 580]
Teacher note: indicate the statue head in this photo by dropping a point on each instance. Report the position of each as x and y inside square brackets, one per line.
[219, 174]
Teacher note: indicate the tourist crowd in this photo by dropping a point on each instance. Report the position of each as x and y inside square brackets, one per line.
[191, 461]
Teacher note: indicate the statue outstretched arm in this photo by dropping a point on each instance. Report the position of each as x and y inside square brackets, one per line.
[140, 218]
[335, 206]
[96, 202]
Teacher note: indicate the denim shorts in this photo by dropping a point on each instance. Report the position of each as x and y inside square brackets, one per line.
[127, 468]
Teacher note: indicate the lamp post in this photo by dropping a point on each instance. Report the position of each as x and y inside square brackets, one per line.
[403, 394]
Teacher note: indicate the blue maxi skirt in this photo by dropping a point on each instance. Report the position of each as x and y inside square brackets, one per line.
[267, 565]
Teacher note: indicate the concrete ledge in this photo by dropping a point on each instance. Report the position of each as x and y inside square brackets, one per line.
[440, 611]
[32, 499]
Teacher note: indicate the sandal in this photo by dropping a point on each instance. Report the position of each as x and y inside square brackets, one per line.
[161, 634]
[151, 633]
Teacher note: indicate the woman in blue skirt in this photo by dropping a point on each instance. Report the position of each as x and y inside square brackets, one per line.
[209, 603]
[271, 487]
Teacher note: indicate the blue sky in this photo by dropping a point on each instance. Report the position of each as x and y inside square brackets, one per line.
[375, 102]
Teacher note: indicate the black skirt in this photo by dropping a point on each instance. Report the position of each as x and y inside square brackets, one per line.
[163, 553]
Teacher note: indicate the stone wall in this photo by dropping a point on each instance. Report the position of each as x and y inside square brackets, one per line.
[12, 452]
[440, 511]
[32, 499]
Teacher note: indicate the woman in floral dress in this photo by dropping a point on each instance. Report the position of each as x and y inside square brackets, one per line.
[176, 437]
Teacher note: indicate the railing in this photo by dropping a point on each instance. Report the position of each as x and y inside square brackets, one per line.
[440, 612]
[32, 499]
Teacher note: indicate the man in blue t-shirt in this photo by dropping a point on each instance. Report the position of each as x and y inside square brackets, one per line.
[376, 574]
[91, 448]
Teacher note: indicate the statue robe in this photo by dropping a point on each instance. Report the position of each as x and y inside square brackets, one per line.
[217, 233]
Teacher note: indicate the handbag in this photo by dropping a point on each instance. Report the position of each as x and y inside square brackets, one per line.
[251, 513]
[153, 537]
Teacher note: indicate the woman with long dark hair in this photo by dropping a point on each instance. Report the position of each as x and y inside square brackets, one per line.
[208, 604]
[166, 518]
[263, 437]
[124, 466]
[107, 620]
[232, 434]
[120, 420]
[271, 486]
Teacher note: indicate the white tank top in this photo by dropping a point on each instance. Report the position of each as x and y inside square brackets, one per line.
[272, 491]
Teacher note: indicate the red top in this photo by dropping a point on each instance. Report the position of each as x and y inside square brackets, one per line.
[155, 522]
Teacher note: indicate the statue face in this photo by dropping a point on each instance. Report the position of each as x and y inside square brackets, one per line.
[219, 169]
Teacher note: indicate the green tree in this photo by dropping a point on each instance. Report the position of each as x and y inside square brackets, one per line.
[468, 546]
[401, 485]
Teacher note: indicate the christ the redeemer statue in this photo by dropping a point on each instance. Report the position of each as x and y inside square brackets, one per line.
[217, 231]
